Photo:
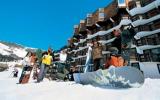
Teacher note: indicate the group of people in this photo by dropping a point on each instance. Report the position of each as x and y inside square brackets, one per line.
[40, 68]
[119, 56]
[30, 64]
[119, 50]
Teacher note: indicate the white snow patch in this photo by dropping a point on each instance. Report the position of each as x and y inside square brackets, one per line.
[51, 90]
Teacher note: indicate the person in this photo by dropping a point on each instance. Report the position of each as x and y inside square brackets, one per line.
[62, 70]
[115, 59]
[46, 62]
[97, 55]
[15, 72]
[127, 35]
[89, 58]
[123, 41]
[117, 42]
[26, 64]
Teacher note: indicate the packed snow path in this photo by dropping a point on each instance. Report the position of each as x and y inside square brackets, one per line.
[51, 90]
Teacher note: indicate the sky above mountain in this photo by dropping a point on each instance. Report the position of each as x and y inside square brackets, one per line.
[43, 23]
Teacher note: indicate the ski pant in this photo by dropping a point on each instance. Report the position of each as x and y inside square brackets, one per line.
[97, 63]
[43, 70]
[126, 53]
[62, 71]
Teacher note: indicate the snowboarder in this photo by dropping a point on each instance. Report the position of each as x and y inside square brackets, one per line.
[46, 62]
[115, 59]
[127, 35]
[26, 63]
[123, 41]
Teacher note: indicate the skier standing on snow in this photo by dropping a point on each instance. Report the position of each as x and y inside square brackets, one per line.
[47, 60]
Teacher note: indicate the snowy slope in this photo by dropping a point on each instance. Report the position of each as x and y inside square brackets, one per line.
[8, 50]
[51, 90]
[14, 50]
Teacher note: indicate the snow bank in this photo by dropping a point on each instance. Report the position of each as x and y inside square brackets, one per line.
[51, 90]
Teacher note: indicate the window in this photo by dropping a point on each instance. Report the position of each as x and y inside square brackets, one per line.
[121, 2]
[158, 65]
[155, 55]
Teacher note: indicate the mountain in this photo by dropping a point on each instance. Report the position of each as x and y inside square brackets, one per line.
[12, 51]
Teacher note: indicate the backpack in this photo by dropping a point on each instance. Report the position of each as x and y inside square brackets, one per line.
[115, 60]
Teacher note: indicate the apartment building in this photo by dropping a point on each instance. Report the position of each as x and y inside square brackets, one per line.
[143, 14]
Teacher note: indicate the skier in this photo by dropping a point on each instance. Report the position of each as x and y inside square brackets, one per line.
[97, 55]
[46, 62]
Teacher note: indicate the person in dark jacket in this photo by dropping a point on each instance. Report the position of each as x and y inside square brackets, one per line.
[117, 42]
[123, 41]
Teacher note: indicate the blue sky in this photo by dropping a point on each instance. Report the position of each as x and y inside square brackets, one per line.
[43, 23]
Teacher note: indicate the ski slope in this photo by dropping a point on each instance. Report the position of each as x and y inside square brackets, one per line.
[52, 90]
[7, 50]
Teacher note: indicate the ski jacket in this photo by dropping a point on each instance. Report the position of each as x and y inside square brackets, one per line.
[26, 61]
[127, 35]
[47, 59]
[116, 61]
[63, 57]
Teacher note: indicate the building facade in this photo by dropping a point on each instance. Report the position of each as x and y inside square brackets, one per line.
[143, 14]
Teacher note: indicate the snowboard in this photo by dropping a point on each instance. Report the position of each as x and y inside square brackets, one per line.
[26, 75]
[122, 77]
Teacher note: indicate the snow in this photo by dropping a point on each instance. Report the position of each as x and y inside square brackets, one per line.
[6, 50]
[52, 90]
[144, 47]
[146, 33]
[141, 10]
[20, 52]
